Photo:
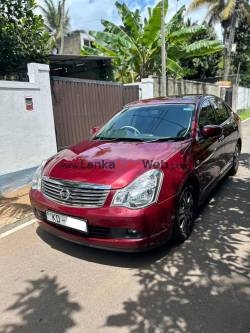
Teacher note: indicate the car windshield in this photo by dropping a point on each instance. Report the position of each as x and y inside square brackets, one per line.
[150, 123]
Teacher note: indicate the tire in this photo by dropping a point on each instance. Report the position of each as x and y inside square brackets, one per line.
[185, 214]
[236, 161]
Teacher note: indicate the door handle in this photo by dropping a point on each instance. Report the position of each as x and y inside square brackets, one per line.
[221, 138]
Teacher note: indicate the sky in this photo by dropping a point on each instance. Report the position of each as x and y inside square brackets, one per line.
[87, 14]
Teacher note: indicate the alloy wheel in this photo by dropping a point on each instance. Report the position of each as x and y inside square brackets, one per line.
[185, 215]
[236, 157]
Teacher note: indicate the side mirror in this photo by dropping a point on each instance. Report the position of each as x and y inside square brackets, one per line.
[209, 131]
[94, 130]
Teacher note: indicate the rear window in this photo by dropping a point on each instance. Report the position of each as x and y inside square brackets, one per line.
[222, 112]
[207, 115]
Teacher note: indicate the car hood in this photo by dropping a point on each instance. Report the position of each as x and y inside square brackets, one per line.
[108, 163]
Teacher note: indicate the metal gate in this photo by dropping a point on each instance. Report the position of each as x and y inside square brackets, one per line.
[78, 105]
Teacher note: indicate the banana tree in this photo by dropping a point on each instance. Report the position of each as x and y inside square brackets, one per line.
[229, 14]
[135, 46]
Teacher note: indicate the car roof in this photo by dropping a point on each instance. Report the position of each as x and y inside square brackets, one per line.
[192, 99]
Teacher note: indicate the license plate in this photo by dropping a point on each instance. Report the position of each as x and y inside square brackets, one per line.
[67, 221]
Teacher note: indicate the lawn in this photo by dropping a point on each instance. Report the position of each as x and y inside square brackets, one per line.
[244, 114]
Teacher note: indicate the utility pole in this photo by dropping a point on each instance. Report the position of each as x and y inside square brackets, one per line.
[238, 74]
[62, 26]
[163, 52]
[229, 40]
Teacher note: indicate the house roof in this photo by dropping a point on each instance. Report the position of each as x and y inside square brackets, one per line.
[70, 59]
[77, 66]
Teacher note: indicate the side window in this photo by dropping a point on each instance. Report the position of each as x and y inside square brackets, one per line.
[206, 116]
[222, 113]
[229, 110]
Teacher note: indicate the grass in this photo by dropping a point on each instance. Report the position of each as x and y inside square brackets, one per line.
[244, 114]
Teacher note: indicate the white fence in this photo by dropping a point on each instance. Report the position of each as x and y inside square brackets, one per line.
[150, 87]
[27, 133]
[243, 98]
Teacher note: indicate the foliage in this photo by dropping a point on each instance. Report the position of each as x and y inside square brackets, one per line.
[228, 13]
[136, 45]
[52, 14]
[200, 67]
[22, 35]
[242, 55]
[244, 114]
[222, 11]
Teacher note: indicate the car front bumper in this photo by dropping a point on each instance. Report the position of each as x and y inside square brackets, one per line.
[110, 227]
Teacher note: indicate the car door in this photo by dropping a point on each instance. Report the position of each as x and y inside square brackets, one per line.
[208, 151]
[229, 129]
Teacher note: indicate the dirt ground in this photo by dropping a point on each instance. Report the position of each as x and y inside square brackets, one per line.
[15, 206]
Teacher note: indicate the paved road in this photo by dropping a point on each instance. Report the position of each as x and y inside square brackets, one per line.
[49, 285]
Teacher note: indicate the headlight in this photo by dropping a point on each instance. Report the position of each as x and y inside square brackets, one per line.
[141, 192]
[37, 179]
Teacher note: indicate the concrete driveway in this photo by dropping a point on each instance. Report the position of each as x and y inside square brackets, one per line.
[50, 285]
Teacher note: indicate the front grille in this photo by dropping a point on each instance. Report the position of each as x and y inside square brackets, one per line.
[93, 231]
[75, 193]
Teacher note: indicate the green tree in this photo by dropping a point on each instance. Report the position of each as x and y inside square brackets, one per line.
[57, 19]
[22, 36]
[228, 13]
[136, 45]
[241, 59]
[200, 67]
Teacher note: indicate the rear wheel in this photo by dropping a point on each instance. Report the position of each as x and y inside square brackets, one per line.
[236, 161]
[185, 214]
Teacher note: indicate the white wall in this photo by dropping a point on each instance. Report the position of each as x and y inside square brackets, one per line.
[26, 137]
[146, 88]
[151, 87]
[243, 98]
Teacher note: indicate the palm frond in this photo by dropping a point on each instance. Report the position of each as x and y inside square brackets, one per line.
[127, 40]
[176, 21]
[175, 68]
[89, 51]
[153, 25]
[186, 32]
[213, 14]
[202, 48]
[130, 20]
[228, 10]
[52, 15]
[198, 3]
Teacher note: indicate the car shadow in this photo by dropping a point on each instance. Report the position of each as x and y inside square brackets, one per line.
[202, 285]
[104, 257]
[245, 160]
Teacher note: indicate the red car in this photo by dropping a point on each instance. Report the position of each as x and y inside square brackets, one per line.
[140, 178]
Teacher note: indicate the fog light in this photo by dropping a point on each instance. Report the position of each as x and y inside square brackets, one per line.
[132, 233]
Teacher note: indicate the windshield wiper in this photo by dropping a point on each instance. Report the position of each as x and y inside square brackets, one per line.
[103, 138]
[117, 139]
[169, 138]
[129, 139]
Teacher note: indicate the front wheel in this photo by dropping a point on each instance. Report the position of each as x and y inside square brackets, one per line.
[185, 214]
[236, 161]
